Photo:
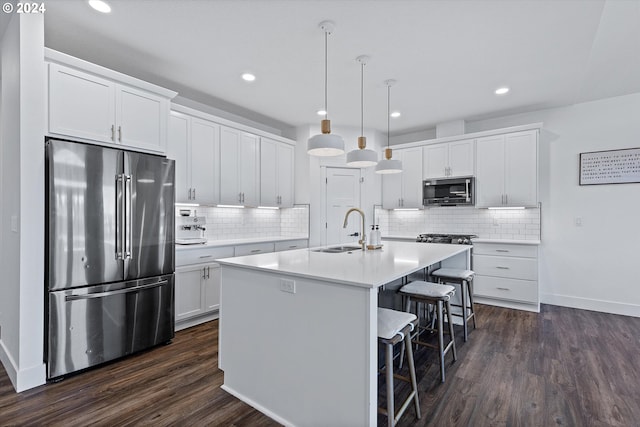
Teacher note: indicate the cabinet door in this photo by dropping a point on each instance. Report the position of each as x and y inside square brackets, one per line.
[178, 149]
[435, 161]
[269, 172]
[141, 118]
[391, 190]
[461, 158]
[211, 288]
[229, 166]
[521, 166]
[81, 105]
[250, 169]
[490, 171]
[188, 292]
[285, 175]
[204, 161]
[411, 177]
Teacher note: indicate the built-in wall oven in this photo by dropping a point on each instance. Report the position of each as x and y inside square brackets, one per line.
[449, 192]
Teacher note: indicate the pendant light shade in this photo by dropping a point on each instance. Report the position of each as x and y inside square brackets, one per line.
[362, 157]
[326, 144]
[388, 165]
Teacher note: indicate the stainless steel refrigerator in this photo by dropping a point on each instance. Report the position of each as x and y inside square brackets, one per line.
[109, 254]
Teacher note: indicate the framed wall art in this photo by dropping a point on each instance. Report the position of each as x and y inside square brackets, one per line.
[610, 167]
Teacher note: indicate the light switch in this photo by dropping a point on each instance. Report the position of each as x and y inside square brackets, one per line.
[14, 223]
[578, 221]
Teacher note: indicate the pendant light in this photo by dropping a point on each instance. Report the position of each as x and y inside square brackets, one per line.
[326, 144]
[388, 165]
[362, 157]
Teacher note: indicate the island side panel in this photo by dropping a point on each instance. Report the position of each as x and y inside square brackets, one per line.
[305, 359]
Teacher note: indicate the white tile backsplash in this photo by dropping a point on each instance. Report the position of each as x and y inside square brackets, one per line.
[238, 223]
[519, 224]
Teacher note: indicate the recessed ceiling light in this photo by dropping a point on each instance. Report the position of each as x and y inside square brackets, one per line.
[248, 77]
[502, 90]
[321, 113]
[100, 6]
[395, 114]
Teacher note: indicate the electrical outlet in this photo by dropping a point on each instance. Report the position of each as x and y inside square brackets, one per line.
[578, 221]
[14, 223]
[287, 285]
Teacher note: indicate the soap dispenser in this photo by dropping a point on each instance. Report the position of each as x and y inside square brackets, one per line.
[378, 236]
[372, 236]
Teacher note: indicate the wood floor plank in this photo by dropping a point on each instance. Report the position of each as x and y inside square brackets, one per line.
[563, 367]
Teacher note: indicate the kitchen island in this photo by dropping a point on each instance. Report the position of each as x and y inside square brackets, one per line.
[298, 329]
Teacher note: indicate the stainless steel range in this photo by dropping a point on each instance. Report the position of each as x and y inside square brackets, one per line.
[454, 239]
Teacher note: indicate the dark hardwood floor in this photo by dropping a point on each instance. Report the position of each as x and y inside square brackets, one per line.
[560, 367]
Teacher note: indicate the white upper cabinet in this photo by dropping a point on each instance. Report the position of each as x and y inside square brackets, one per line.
[88, 106]
[448, 159]
[239, 167]
[404, 190]
[507, 170]
[276, 173]
[194, 145]
[81, 104]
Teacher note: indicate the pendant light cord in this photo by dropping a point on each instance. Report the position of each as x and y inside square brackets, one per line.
[362, 99]
[326, 108]
[388, 112]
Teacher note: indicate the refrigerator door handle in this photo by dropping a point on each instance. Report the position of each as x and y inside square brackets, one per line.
[119, 291]
[120, 217]
[128, 200]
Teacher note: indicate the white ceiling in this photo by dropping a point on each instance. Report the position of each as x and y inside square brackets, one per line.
[448, 56]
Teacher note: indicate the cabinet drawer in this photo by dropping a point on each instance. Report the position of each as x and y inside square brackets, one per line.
[507, 289]
[253, 249]
[202, 255]
[510, 267]
[526, 251]
[291, 245]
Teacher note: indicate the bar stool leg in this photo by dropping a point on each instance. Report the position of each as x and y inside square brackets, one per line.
[463, 296]
[472, 307]
[453, 341]
[412, 374]
[440, 339]
[391, 412]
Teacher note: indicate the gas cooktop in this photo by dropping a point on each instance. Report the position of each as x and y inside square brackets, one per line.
[455, 239]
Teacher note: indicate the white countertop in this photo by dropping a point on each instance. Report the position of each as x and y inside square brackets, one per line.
[370, 269]
[233, 242]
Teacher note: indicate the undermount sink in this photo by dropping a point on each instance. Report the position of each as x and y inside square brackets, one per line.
[338, 249]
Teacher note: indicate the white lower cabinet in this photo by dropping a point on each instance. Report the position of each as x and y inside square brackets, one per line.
[506, 275]
[197, 290]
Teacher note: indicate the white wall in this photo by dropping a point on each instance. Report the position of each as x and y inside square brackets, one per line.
[309, 175]
[22, 249]
[592, 266]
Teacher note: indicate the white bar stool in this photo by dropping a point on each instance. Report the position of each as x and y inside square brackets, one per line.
[465, 279]
[394, 327]
[438, 295]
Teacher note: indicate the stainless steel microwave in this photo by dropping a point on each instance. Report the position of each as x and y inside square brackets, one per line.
[449, 192]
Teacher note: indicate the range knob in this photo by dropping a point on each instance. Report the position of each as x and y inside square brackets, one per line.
[459, 241]
[429, 239]
[466, 241]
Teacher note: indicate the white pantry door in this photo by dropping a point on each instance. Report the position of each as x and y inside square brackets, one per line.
[342, 193]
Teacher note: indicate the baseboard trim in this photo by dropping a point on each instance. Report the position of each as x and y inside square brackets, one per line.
[256, 406]
[9, 365]
[22, 379]
[592, 304]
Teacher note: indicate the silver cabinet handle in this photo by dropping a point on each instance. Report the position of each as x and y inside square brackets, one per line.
[256, 250]
[206, 256]
[293, 246]
[503, 289]
[113, 132]
[240, 197]
[120, 133]
[194, 194]
[189, 196]
[506, 199]
[501, 250]
[117, 292]
[204, 272]
[502, 268]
